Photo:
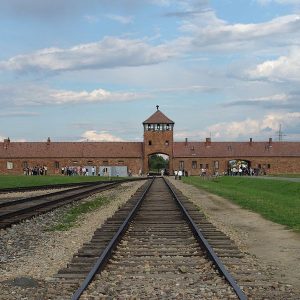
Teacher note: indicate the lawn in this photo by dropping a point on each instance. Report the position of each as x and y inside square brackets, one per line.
[286, 175]
[276, 200]
[12, 181]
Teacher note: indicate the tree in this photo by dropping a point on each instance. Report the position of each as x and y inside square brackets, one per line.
[158, 162]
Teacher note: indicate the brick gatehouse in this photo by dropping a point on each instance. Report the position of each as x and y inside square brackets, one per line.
[269, 157]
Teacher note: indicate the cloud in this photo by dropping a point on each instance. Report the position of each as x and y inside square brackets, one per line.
[205, 31]
[110, 52]
[282, 69]
[39, 95]
[265, 127]
[121, 19]
[101, 136]
[284, 2]
[276, 101]
[259, 129]
[10, 114]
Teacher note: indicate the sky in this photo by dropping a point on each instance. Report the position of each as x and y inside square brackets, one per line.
[94, 70]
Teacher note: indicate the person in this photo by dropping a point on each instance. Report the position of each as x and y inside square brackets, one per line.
[179, 174]
[93, 171]
[86, 172]
[176, 174]
[45, 170]
[162, 172]
[140, 172]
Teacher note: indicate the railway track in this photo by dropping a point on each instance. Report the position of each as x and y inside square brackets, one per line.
[16, 210]
[57, 186]
[158, 255]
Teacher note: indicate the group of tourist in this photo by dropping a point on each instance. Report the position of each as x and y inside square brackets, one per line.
[178, 174]
[77, 171]
[37, 170]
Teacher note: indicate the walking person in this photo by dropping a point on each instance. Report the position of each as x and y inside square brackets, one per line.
[179, 174]
[176, 174]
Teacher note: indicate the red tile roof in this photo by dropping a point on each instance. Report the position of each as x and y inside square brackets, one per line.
[158, 118]
[71, 149]
[236, 149]
[135, 149]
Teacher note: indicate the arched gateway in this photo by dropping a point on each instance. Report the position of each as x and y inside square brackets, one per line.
[158, 138]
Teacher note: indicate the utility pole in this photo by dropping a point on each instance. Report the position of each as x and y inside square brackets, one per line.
[280, 134]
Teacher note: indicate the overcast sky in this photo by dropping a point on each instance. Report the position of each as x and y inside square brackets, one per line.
[94, 70]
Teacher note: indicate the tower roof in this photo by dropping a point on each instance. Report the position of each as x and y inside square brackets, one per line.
[159, 118]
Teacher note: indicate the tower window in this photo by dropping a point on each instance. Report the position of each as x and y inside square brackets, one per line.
[158, 126]
[149, 126]
[150, 143]
[167, 143]
[168, 127]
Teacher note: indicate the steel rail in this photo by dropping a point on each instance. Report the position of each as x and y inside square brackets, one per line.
[206, 246]
[63, 201]
[99, 264]
[61, 185]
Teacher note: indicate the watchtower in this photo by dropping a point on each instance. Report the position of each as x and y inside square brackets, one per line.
[158, 137]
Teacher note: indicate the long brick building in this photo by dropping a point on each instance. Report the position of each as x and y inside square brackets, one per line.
[269, 157]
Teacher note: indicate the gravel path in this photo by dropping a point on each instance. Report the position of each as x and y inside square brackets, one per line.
[267, 246]
[30, 255]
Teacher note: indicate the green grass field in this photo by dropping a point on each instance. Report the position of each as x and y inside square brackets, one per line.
[276, 200]
[286, 175]
[12, 181]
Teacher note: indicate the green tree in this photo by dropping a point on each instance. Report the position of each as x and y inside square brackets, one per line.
[157, 162]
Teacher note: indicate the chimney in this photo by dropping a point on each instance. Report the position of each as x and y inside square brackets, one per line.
[250, 141]
[48, 141]
[270, 142]
[6, 142]
[186, 141]
[208, 142]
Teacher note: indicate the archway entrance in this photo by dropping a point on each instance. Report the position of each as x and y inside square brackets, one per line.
[239, 167]
[158, 164]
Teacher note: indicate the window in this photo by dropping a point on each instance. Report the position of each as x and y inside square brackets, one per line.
[216, 164]
[150, 143]
[149, 126]
[9, 165]
[56, 164]
[105, 163]
[269, 166]
[194, 164]
[259, 166]
[25, 164]
[201, 166]
[207, 166]
[121, 162]
[181, 165]
[168, 127]
[158, 126]
[75, 162]
[90, 162]
[167, 143]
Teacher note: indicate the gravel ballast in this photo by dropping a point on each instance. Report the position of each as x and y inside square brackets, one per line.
[31, 252]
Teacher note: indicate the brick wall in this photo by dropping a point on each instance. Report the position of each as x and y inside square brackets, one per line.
[278, 165]
[134, 164]
[161, 142]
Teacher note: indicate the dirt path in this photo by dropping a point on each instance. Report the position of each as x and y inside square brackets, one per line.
[269, 242]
